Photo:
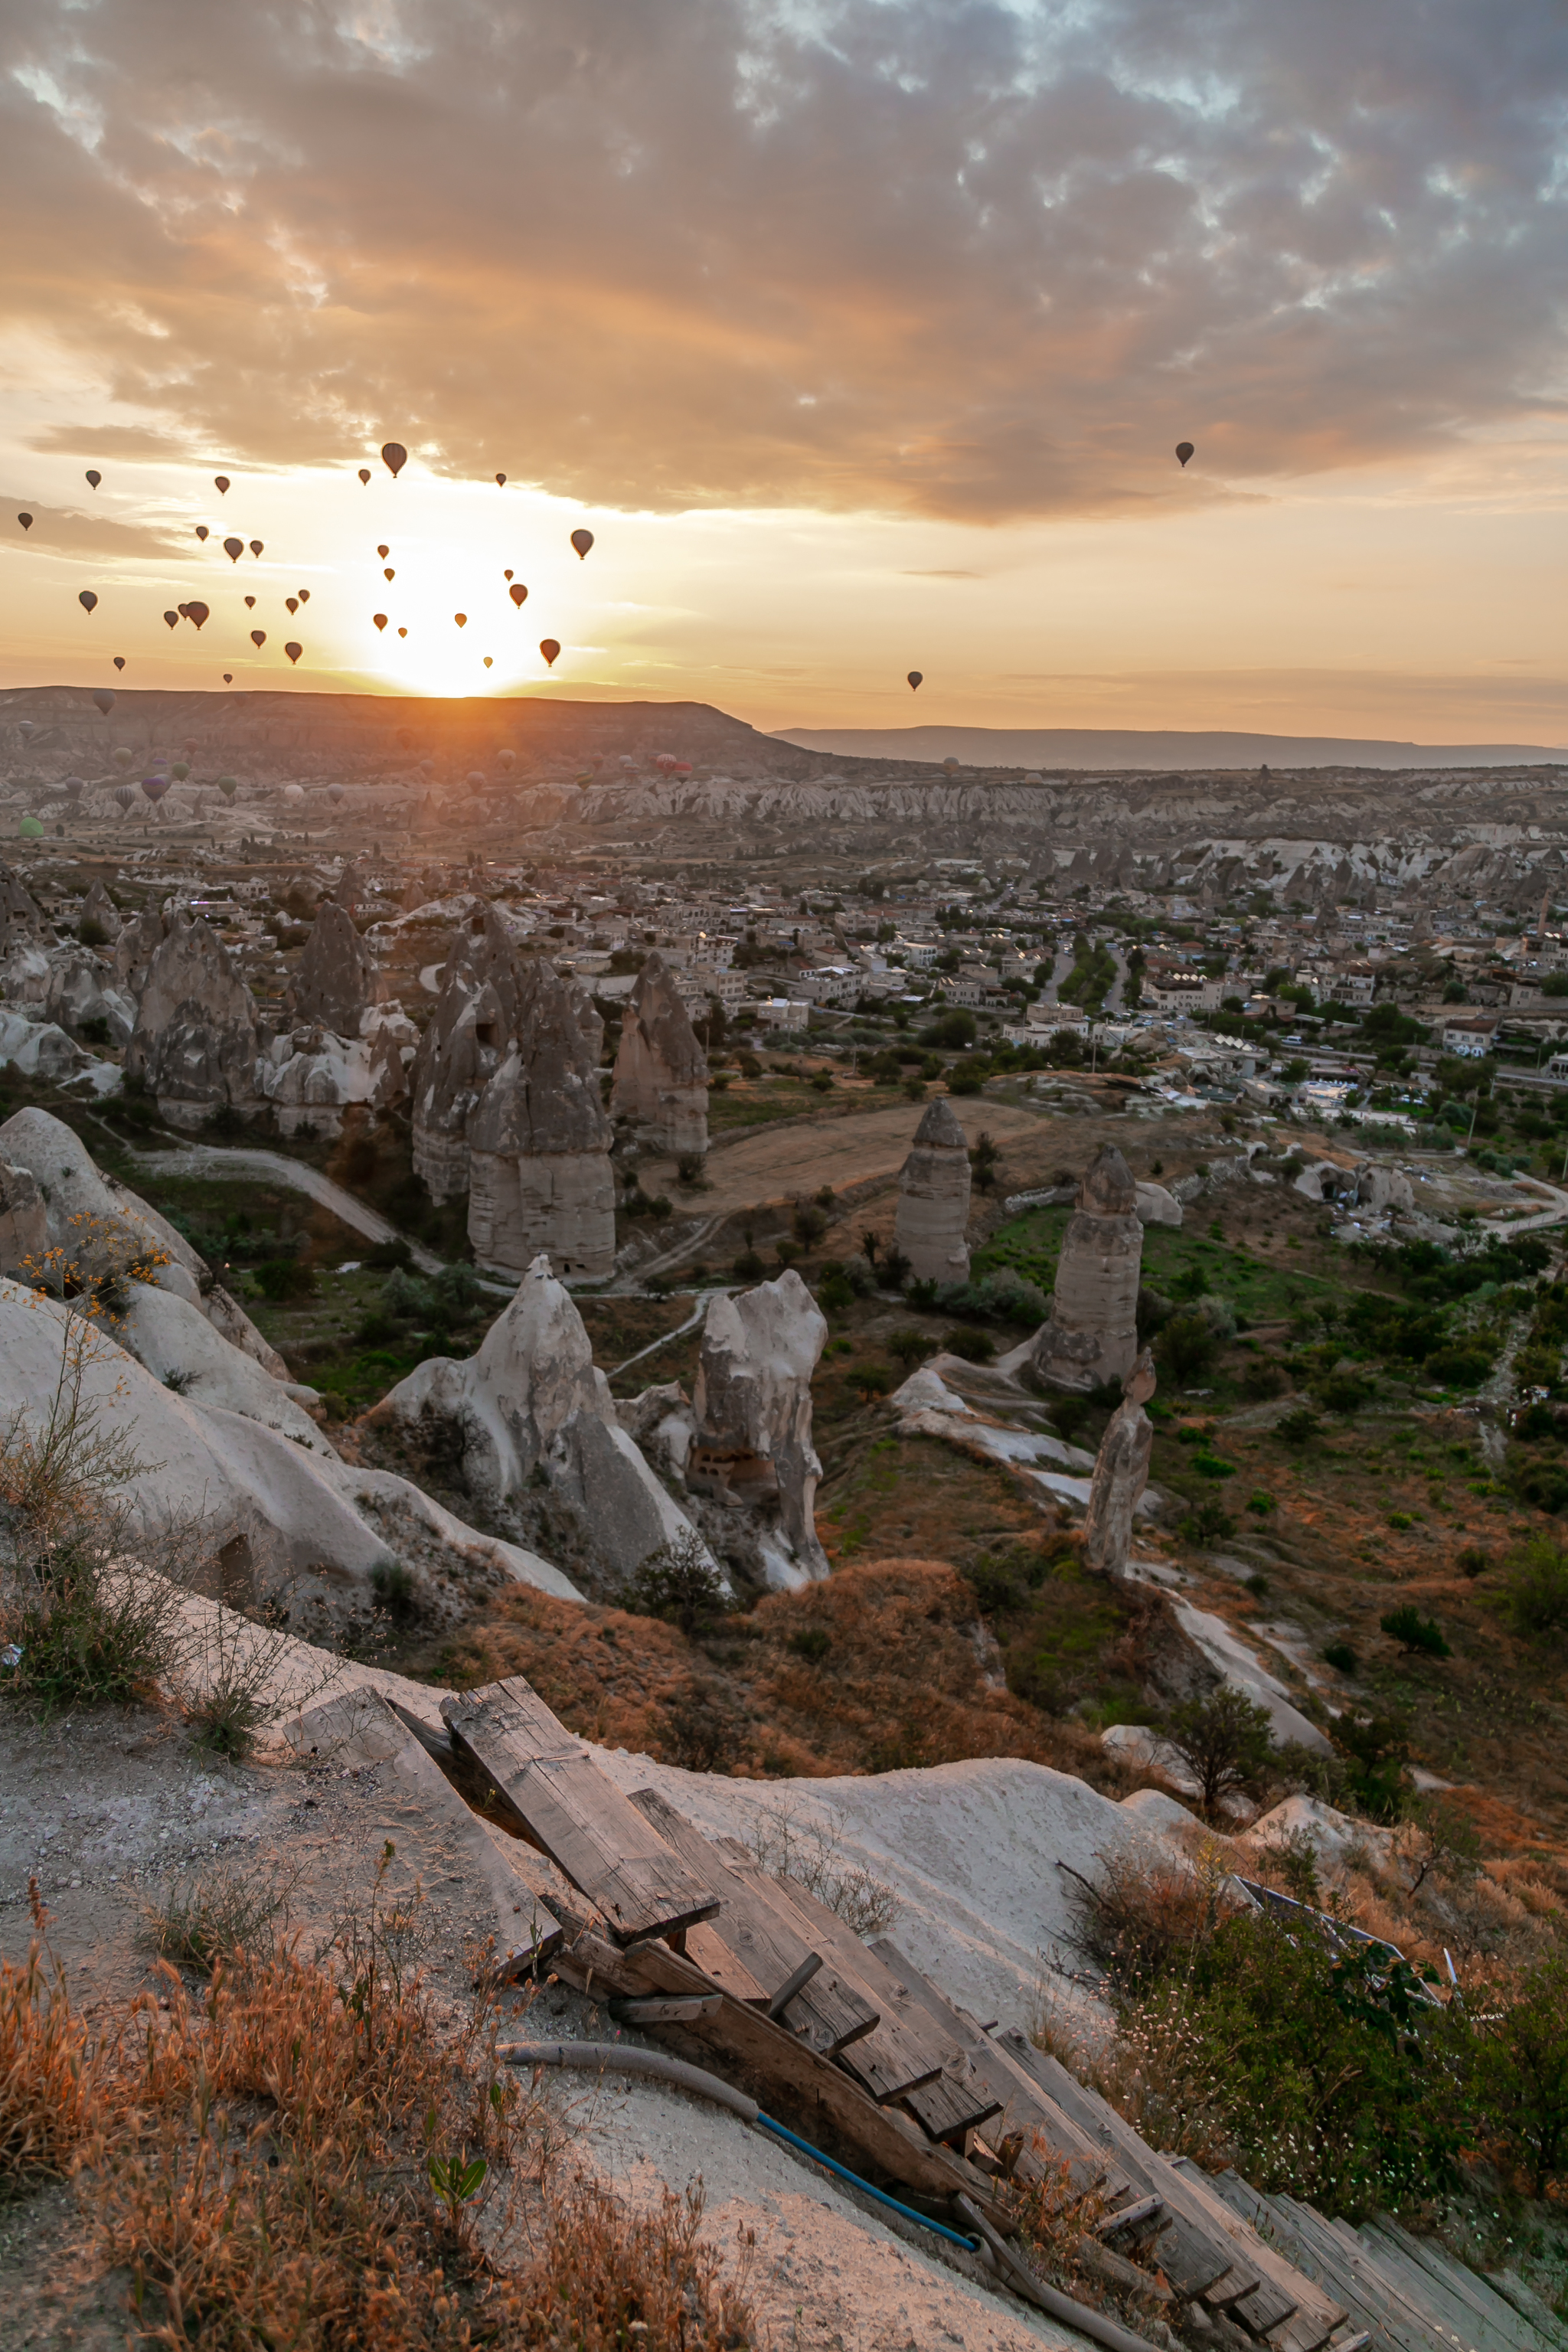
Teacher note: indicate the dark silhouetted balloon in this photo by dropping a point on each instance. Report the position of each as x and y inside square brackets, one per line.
[394, 457]
[403, 633]
[517, 593]
[196, 612]
[477, 776]
[228, 677]
[25, 521]
[915, 678]
[581, 540]
[180, 771]
[104, 698]
[500, 481]
[293, 651]
[173, 619]
[292, 602]
[384, 553]
[1184, 451]
[506, 574]
[334, 793]
[461, 619]
[506, 759]
[426, 767]
[125, 794]
[154, 787]
[87, 599]
[951, 767]
[120, 661]
[202, 531]
[234, 549]
[73, 788]
[550, 647]
[364, 473]
[304, 595]
[220, 483]
[258, 638]
[251, 603]
[26, 730]
[380, 620]
[387, 571]
[94, 476]
[228, 787]
[256, 547]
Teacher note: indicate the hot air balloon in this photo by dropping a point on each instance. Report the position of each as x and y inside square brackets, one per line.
[228, 677]
[104, 697]
[124, 755]
[506, 574]
[190, 747]
[25, 521]
[1184, 451]
[173, 619]
[380, 620]
[477, 776]
[73, 788]
[31, 829]
[406, 737]
[403, 633]
[153, 788]
[251, 603]
[500, 481]
[258, 638]
[506, 759]
[28, 729]
[364, 473]
[120, 661]
[384, 553]
[581, 540]
[196, 614]
[256, 547]
[517, 593]
[550, 647]
[915, 678]
[87, 599]
[220, 483]
[666, 764]
[228, 787]
[304, 595]
[394, 457]
[461, 619]
[426, 767]
[951, 767]
[387, 572]
[180, 771]
[234, 549]
[202, 531]
[490, 661]
[294, 791]
[293, 651]
[334, 793]
[292, 602]
[125, 794]
[94, 476]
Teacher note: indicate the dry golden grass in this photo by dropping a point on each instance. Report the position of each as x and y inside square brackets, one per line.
[50, 2076]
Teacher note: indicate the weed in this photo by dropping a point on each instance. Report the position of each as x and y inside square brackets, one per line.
[1261, 1503]
[1416, 1634]
[49, 2076]
[974, 1346]
[230, 1680]
[217, 1914]
[793, 1845]
[812, 1643]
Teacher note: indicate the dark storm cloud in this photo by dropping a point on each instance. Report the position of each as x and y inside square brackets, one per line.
[935, 255]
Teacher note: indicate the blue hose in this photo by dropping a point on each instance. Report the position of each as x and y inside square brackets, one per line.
[970, 2245]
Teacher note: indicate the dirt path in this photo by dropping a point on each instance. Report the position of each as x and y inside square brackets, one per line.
[839, 1152]
[234, 1159]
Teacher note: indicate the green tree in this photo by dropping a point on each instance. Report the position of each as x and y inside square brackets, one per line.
[1224, 1740]
[1522, 2071]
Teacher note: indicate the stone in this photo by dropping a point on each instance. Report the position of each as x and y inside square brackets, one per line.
[1156, 1206]
[934, 1198]
[99, 907]
[1121, 1474]
[77, 992]
[539, 1143]
[661, 1071]
[752, 1407]
[1384, 1188]
[531, 1405]
[195, 1043]
[24, 1221]
[135, 946]
[1092, 1334]
[310, 1075]
[338, 980]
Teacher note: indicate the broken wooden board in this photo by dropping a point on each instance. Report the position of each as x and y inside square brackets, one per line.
[434, 1835]
[763, 1939]
[604, 1845]
[709, 1952]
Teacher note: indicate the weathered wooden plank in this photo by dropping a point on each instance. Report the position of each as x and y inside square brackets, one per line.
[712, 1955]
[604, 1845]
[764, 1937]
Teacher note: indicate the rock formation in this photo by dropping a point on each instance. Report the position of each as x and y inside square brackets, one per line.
[934, 1198]
[21, 917]
[195, 1043]
[310, 1075]
[752, 1406]
[539, 1143]
[99, 907]
[1121, 1474]
[24, 1221]
[661, 1071]
[1156, 1206]
[531, 1406]
[338, 979]
[1384, 1188]
[135, 946]
[1092, 1334]
[457, 1056]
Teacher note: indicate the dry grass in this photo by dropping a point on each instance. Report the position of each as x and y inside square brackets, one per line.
[50, 2077]
[606, 2280]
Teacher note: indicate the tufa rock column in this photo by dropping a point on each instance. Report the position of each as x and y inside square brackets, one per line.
[661, 1071]
[338, 979]
[1092, 1333]
[934, 1198]
[1121, 1474]
[752, 1406]
[195, 1043]
[539, 1143]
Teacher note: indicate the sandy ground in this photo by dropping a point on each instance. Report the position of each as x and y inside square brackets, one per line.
[775, 1165]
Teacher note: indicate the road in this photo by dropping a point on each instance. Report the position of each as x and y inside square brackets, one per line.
[239, 1159]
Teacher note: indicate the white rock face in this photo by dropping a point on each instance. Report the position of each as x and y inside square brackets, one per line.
[195, 1042]
[135, 946]
[286, 1520]
[661, 1071]
[310, 1075]
[934, 1198]
[24, 1221]
[531, 1398]
[172, 1339]
[73, 1188]
[457, 1056]
[751, 1404]
[1384, 1188]
[1156, 1206]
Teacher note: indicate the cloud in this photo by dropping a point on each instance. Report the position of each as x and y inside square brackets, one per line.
[62, 532]
[940, 257]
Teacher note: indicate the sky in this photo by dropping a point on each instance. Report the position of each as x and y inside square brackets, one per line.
[859, 333]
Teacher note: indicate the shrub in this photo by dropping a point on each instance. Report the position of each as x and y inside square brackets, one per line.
[680, 1584]
[1263, 1505]
[963, 1079]
[1534, 1595]
[748, 1266]
[1224, 1740]
[974, 1346]
[910, 1346]
[1210, 1523]
[1344, 1393]
[1262, 1379]
[1472, 1561]
[1522, 2071]
[1376, 1750]
[1212, 1466]
[1340, 1656]
[835, 1291]
[1186, 1346]
[282, 1278]
[812, 1643]
[1297, 1427]
[808, 1223]
[1413, 1632]
[213, 1916]
[700, 1731]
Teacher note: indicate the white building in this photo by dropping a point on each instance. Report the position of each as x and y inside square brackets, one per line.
[1471, 1034]
[781, 1013]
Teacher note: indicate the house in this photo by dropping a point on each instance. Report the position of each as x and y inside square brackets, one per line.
[1173, 989]
[1471, 1034]
[780, 1012]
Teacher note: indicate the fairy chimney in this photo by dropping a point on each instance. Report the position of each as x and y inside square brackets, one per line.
[934, 1198]
[1091, 1335]
[661, 1071]
[539, 1143]
[1121, 1474]
[338, 980]
[194, 1044]
[459, 1055]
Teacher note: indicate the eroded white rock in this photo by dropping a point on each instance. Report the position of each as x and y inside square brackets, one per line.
[933, 1214]
[752, 1406]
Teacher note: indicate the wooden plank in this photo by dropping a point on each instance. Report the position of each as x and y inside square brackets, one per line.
[764, 1939]
[705, 1946]
[803, 2089]
[1286, 2305]
[604, 1845]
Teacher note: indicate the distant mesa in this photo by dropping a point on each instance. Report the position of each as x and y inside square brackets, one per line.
[1067, 748]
